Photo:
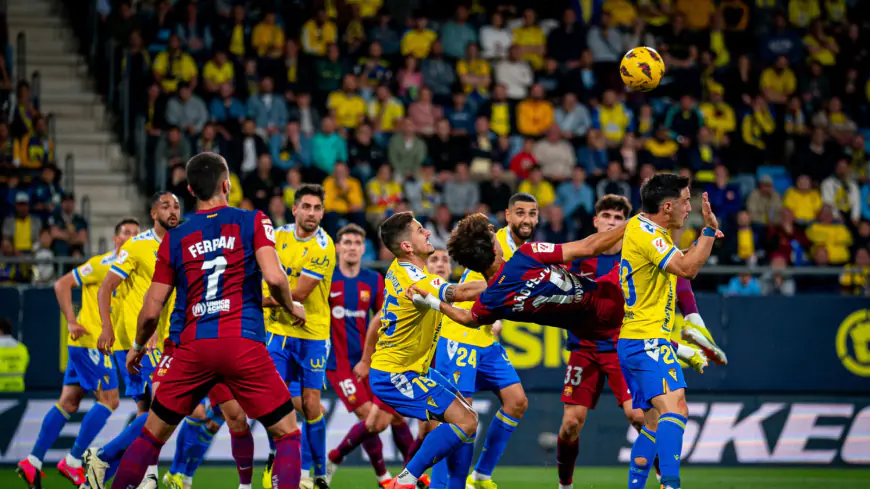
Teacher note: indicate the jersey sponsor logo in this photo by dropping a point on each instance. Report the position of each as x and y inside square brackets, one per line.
[339, 312]
[660, 245]
[270, 230]
[210, 245]
[853, 348]
[543, 247]
[437, 282]
[333, 295]
[317, 363]
[200, 309]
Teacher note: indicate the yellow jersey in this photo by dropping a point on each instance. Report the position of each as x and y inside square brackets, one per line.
[89, 276]
[313, 257]
[408, 335]
[649, 290]
[135, 265]
[481, 336]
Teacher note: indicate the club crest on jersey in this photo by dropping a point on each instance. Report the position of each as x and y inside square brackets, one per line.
[452, 346]
[660, 245]
[543, 247]
[364, 295]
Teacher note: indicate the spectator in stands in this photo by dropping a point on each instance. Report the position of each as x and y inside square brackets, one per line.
[7, 149]
[840, 192]
[523, 162]
[777, 281]
[307, 116]
[495, 38]
[161, 26]
[612, 119]
[803, 200]
[172, 149]
[22, 228]
[155, 113]
[495, 191]
[576, 198]
[217, 72]
[865, 201]
[423, 193]
[554, 229]
[25, 111]
[573, 119]
[555, 156]
[137, 66]
[384, 34]
[718, 116]
[354, 33]
[744, 284]
[836, 123]
[290, 148]
[855, 279]
[174, 66]
[684, 121]
[796, 125]
[383, 195]
[530, 39]
[268, 110]
[788, 240]
[11, 272]
[778, 82]
[187, 111]
[487, 149]
[410, 80]
[457, 34]
[250, 84]
[417, 41]
[249, 147]
[444, 150]
[178, 185]
[859, 159]
[46, 193]
[614, 182]
[267, 38]
[262, 184]
[815, 86]
[741, 246]
[535, 114]
[660, 150]
[438, 74]
[406, 151]
[373, 71]
[327, 148]
[475, 74]
[385, 112]
[35, 149]
[815, 159]
[567, 42]
[318, 33]
[364, 154]
[781, 41]
[756, 128]
[541, 189]
[833, 236]
[278, 211]
[515, 74]
[195, 35]
[227, 112]
[294, 73]
[724, 196]
[43, 257]
[764, 204]
[328, 73]
[423, 113]
[440, 227]
[822, 48]
[294, 180]
[499, 112]
[346, 106]
[344, 200]
[461, 194]
[208, 141]
[461, 116]
[236, 33]
[607, 45]
[122, 21]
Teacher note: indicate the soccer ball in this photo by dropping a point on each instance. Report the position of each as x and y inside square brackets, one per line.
[642, 69]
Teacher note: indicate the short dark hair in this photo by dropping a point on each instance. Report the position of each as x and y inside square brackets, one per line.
[124, 222]
[393, 229]
[613, 202]
[204, 173]
[470, 243]
[522, 197]
[659, 188]
[309, 189]
[157, 195]
[351, 229]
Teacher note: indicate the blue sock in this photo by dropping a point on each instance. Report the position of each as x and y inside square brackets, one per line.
[669, 440]
[187, 433]
[113, 467]
[316, 432]
[306, 450]
[442, 441]
[644, 447]
[52, 423]
[115, 448]
[497, 437]
[439, 475]
[92, 423]
[196, 451]
[458, 464]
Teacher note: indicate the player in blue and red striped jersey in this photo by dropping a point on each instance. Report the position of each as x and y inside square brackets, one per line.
[355, 297]
[217, 260]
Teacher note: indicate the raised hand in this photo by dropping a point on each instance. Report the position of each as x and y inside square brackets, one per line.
[709, 217]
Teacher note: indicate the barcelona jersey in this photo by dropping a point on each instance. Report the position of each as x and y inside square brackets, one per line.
[595, 267]
[352, 300]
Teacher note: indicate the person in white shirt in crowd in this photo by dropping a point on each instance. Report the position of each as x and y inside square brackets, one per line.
[515, 74]
[495, 39]
[840, 191]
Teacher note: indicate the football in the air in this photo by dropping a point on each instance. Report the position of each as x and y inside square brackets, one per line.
[642, 69]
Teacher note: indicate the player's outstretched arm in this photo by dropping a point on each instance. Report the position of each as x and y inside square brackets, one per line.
[687, 265]
[63, 290]
[104, 302]
[464, 292]
[421, 298]
[276, 280]
[593, 245]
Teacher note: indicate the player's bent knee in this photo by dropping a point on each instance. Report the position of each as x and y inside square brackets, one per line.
[199, 413]
[517, 407]
[362, 412]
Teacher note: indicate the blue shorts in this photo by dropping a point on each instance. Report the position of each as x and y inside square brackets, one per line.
[475, 368]
[419, 396]
[650, 368]
[301, 362]
[90, 369]
[138, 386]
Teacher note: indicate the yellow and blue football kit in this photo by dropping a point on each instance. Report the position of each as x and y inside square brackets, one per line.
[135, 265]
[87, 366]
[472, 357]
[300, 352]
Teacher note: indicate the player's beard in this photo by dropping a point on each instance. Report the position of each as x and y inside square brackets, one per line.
[309, 227]
[165, 223]
[521, 234]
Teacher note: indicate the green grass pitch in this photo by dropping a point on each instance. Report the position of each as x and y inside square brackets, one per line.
[219, 477]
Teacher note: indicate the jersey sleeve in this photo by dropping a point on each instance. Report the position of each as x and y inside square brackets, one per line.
[434, 285]
[164, 273]
[126, 262]
[264, 232]
[546, 253]
[321, 264]
[86, 273]
[656, 249]
[482, 314]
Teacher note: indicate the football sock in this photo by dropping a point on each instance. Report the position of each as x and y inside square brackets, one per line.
[196, 450]
[316, 433]
[243, 454]
[115, 448]
[52, 424]
[286, 469]
[403, 439]
[669, 440]
[644, 447]
[500, 430]
[354, 438]
[92, 423]
[188, 431]
[137, 460]
[438, 444]
[458, 464]
[113, 468]
[439, 475]
[306, 450]
[375, 450]
[415, 447]
[566, 458]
